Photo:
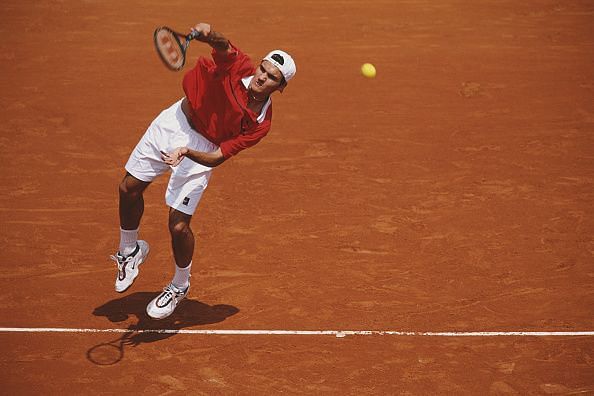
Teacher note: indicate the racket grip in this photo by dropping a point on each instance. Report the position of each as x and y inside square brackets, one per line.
[193, 35]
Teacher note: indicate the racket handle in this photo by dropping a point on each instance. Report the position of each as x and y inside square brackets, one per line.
[193, 35]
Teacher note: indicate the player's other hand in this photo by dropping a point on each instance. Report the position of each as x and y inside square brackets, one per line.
[204, 29]
[175, 157]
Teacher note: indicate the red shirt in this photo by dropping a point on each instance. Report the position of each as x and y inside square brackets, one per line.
[218, 101]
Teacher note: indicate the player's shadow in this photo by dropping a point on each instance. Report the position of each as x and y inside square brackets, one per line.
[188, 313]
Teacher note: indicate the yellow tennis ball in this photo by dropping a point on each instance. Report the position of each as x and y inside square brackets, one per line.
[368, 70]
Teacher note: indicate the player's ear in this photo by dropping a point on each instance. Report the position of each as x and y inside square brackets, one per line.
[282, 86]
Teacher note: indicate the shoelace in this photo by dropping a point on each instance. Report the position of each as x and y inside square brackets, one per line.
[120, 260]
[170, 289]
[169, 292]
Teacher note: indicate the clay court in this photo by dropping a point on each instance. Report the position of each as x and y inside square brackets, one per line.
[452, 193]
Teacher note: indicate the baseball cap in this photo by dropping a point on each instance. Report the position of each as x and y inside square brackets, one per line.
[284, 62]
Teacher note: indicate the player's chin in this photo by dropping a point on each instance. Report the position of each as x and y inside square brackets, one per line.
[265, 90]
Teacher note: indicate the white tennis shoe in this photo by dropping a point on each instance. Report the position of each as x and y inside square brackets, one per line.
[128, 266]
[164, 304]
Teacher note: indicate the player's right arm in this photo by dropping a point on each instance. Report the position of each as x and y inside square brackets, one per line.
[215, 39]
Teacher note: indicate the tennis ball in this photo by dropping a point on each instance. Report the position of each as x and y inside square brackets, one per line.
[368, 70]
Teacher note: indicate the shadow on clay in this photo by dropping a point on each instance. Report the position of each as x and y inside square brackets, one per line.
[189, 313]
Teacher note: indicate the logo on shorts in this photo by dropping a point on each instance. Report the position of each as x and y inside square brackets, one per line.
[186, 201]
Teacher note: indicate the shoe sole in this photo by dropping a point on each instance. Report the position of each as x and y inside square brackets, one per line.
[148, 249]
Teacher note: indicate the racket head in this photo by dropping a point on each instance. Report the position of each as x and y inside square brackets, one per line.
[171, 47]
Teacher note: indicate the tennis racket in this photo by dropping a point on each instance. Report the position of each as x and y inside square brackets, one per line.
[172, 46]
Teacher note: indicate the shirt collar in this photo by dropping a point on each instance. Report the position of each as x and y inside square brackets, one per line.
[246, 82]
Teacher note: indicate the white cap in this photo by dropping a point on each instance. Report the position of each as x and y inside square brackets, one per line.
[284, 62]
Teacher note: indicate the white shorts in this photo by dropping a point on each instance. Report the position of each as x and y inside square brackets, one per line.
[189, 179]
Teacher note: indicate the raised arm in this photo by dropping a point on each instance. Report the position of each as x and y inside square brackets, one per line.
[215, 39]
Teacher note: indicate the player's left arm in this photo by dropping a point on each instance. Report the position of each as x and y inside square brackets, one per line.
[210, 159]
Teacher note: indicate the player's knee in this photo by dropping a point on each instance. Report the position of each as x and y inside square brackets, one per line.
[178, 228]
[128, 191]
[124, 191]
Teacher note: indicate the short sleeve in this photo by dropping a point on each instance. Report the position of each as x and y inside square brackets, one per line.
[247, 139]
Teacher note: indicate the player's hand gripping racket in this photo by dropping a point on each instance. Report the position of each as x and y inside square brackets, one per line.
[172, 46]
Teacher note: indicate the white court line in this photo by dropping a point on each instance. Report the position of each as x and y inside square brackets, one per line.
[336, 333]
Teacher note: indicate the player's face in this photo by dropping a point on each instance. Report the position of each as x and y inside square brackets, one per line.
[267, 79]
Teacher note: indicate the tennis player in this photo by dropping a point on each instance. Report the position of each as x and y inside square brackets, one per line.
[226, 109]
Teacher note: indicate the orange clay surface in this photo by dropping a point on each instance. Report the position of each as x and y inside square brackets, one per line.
[453, 192]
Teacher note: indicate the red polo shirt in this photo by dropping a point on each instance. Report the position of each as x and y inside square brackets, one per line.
[218, 100]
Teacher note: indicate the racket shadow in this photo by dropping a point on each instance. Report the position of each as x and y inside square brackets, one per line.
[189, 313]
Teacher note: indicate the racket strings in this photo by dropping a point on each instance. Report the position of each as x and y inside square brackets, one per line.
[170, 48]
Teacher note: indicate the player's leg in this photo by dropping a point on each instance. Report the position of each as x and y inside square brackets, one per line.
[183, 195]
[184, 191]
[131, 208]
[131, 201]
[182, 241]
[132, 251]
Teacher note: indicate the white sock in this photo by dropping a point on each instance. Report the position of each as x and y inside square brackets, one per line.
[181, 279]
[128, 240]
